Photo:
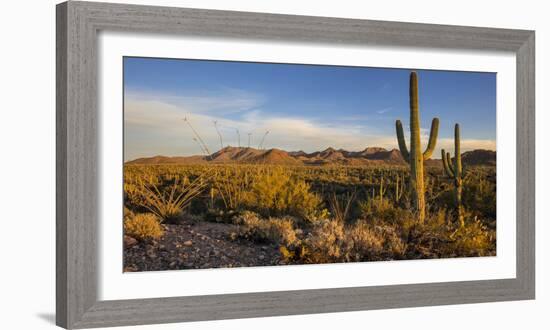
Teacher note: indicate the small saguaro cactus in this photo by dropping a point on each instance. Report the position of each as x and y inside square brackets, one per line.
[416, 157]
[454, 171]
[381, 189]
[399, 187]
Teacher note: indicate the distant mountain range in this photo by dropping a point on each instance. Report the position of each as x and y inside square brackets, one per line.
[329, 156]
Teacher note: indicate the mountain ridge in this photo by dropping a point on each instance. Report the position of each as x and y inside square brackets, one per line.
[329, 156]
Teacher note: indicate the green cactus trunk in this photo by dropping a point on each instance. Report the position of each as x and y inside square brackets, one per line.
[459, 206]
[381, 189]
[399, 187]
[416, 157]
[454, 171]
[416, 161]
[458, 177]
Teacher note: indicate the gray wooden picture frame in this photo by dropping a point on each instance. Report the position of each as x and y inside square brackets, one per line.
[78, 24]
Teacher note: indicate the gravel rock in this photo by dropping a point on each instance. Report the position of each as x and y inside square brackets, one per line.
[129, 241]
[198, 245]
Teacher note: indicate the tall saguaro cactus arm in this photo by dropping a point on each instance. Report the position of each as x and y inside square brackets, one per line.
[434, 130]
[458, 158]
[415, 157]
[451, 166]
[401, 140]
[445, 160]
[454, 171]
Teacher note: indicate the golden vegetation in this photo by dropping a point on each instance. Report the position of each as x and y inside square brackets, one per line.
[278, 192]
[277, 230]
[320, 214]
[142, 226]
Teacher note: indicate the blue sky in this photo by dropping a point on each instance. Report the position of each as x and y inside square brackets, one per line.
[304, 107]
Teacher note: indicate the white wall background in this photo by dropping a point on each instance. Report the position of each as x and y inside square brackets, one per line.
[27, 163]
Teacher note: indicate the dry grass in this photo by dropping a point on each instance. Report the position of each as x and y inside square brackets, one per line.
[341, 207]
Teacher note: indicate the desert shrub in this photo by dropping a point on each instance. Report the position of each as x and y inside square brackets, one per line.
[232, 186]
[246, 217]
[439, 218]
[276, 230]
[325, 243]
[143, 226]
[382, 209]
[168, 203]
[127, 213]
[132, 195]
[394, 247]
[275, 192]
[333, 241]
[366, 244]
[479, 196]
[474, 239]
[442, 237]
[220, 215]
[315, 215]
[426, 239]
[382, 226]
[446, 198]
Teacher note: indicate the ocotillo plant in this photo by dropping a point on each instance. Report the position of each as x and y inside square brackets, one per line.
[454, 171]
[200, 146]
[219, 134]
[416, 157]
[198, 137]
[261, 145]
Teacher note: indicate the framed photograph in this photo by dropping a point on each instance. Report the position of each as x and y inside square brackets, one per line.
[217, 165]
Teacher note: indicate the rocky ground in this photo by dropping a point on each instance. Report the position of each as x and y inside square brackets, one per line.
[197, 245]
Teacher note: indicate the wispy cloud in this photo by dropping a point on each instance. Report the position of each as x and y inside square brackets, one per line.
[154, 125]
[384, 110]
[357, 117]
[221, 101]
[385, 86]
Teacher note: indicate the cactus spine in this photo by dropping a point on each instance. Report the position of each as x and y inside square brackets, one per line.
[416, 157]
[454, 171]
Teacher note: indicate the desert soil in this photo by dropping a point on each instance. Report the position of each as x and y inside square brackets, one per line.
[197, 245]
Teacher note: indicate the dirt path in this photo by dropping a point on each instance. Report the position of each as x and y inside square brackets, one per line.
[197, 246]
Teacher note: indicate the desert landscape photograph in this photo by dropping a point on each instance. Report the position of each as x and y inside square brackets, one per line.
[244, 164]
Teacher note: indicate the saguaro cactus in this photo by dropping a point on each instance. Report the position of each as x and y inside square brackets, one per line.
[399, 186]
[455, 172]
[416, 157]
